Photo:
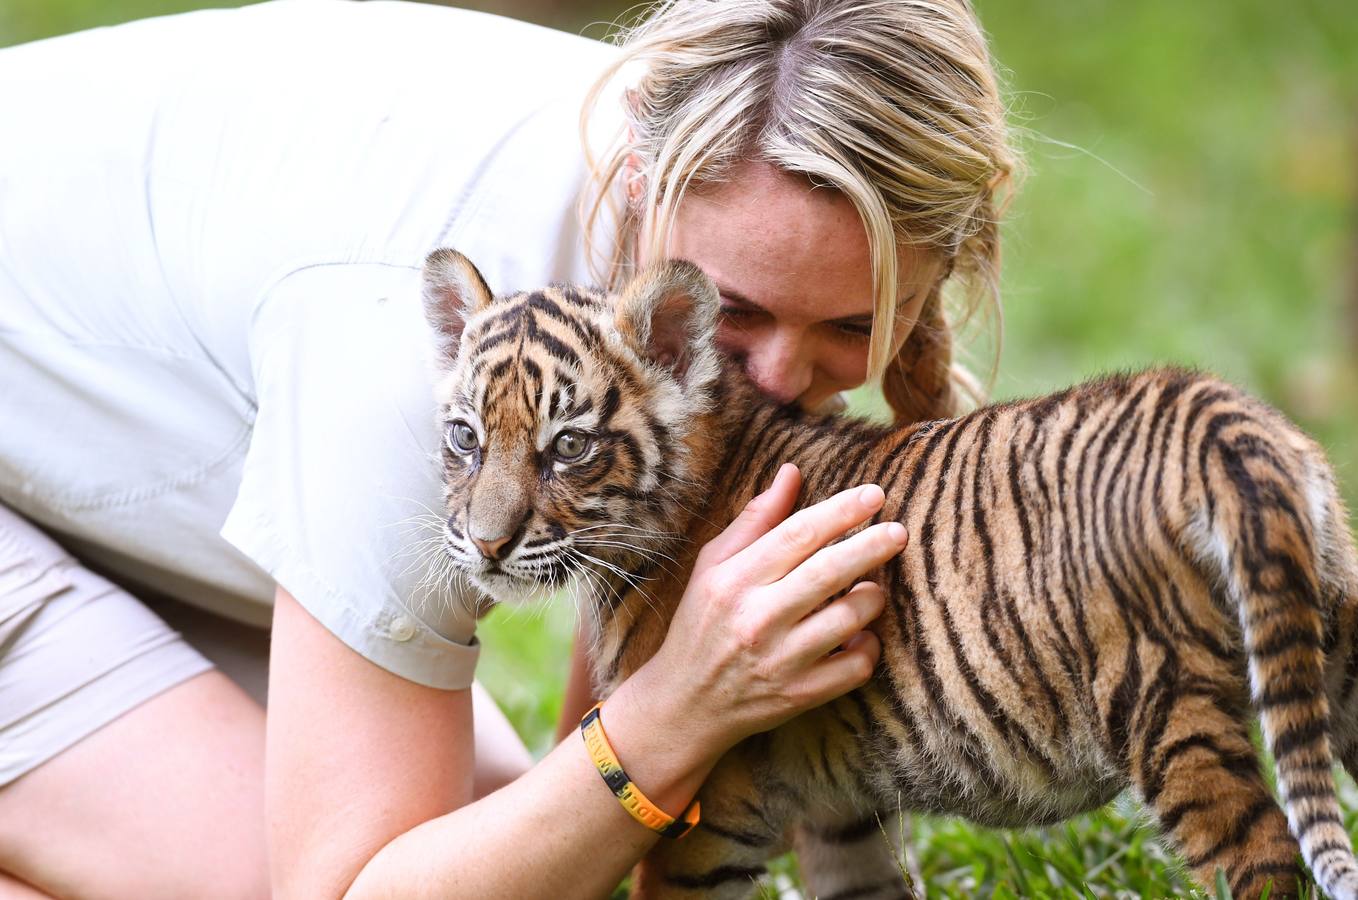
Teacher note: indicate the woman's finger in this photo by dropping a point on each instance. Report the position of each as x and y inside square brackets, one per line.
[835, 625]
[797, 537]
[832, 569]
[840, 673]
[759, 515]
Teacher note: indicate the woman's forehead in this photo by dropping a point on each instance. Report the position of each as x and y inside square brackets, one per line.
[769, 237]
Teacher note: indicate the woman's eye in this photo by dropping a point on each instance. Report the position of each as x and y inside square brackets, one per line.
[570, 445]
[856, 332]
[462, 437]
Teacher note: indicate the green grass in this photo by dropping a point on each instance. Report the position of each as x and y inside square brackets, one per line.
[1191, 199]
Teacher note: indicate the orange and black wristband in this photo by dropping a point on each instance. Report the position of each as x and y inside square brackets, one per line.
[628, 794]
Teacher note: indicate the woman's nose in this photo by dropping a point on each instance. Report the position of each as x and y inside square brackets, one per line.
[779, 367]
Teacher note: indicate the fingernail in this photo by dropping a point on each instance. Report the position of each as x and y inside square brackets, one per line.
[871, 496]
[897, 532]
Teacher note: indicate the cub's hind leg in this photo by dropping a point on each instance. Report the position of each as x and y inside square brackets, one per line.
[852, 856]
[1192, 760]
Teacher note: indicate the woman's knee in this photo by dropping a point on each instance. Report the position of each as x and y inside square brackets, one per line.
[501, 755]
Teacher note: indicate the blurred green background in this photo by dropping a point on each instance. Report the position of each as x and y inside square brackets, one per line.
[1191, 198]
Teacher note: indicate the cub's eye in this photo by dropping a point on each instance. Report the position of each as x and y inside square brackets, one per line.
[461, 437]
[570, 445]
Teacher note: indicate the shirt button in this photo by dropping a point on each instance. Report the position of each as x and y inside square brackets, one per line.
[402, 629]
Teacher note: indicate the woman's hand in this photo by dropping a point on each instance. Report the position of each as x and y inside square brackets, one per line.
[749, 648]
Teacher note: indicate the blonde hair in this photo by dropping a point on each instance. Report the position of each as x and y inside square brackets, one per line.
[894, 103]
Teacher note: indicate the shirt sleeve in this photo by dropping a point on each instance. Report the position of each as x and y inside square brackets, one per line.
[340, 500]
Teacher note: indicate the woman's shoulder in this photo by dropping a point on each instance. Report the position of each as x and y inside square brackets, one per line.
[396, 31]
[425, 48]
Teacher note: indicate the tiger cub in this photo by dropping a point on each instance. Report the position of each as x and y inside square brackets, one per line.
[1102, 587]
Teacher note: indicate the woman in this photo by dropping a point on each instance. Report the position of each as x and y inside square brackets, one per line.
[213, 384]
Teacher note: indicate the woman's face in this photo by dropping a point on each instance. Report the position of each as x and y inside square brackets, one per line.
[793, 268]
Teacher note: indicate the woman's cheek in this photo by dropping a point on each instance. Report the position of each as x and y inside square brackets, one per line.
[845, 367]
[734, 340]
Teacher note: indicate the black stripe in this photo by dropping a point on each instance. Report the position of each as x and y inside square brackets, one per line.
[847, 834]
[1171, 816]
[737, 835]
[981, 529]
[1286, 882]
[1074, 594]
[715, 877]
[615, 664]
[1318, 817]
[1277, 695]
[1285, 639]
[1321, 787]
[936, 692]
[552, 345]
[612, 400]
[903, 597]
[1242, 764]
[1040, 579]
[1239, 832]
[1123, 699]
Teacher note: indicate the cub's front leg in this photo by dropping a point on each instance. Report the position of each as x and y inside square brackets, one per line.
[742, 827]
[848, 853]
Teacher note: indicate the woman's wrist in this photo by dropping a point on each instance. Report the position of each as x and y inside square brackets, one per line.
[666, 749]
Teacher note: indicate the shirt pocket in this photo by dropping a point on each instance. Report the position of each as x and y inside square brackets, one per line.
[85, 425]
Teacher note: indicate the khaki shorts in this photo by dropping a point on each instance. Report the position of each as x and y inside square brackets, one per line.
[76, 651]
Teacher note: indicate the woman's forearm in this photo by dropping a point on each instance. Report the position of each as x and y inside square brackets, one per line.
[369, 782]
[556, 832]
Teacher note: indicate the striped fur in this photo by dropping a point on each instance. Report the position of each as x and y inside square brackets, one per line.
[1104, 588]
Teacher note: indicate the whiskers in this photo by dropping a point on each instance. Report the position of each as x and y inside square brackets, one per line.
[629, 540]
[644, 544]
[633, 581]
[442, 582]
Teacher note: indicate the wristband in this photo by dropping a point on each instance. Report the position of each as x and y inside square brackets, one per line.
[628, 794]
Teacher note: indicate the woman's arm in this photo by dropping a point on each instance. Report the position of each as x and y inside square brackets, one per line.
[354, 756]
[369, 775]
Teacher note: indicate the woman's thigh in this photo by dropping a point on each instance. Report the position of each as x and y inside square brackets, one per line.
[128, 767]
[166, 800]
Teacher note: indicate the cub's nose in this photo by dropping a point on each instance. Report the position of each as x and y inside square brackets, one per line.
[492, 548]
[495, 539]
[496, 519]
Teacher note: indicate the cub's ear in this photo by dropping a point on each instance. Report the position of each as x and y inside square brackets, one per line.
[668, 314]
[453, 292]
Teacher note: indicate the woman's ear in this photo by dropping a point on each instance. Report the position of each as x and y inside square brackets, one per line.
[633, 172]
[668, 314]
[454, 291]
